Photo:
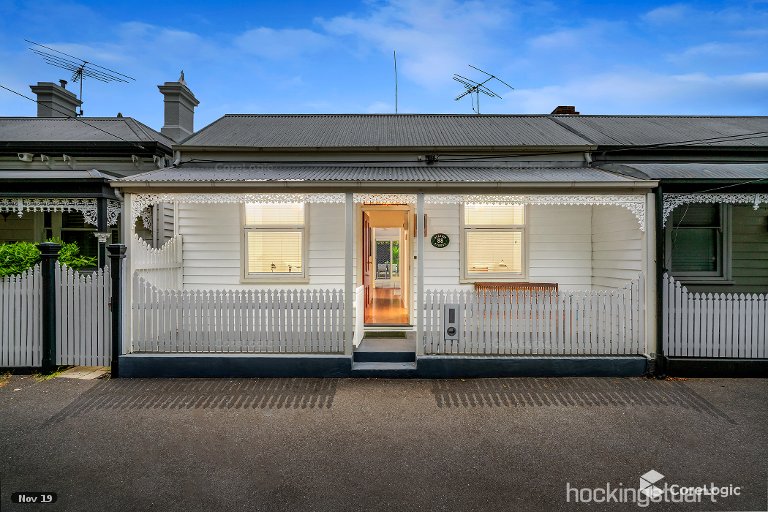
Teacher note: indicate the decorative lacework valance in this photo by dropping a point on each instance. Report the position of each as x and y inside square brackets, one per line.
[88, 207]
[672, 201]
[635, 203]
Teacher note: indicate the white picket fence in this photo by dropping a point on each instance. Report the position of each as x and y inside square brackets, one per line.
[161, 267]
[732, 325]
[83, 327]
[83, 323]
[21, 319]
[518, 322]
[240, 321]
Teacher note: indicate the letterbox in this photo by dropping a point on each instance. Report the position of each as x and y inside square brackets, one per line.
[451, 322]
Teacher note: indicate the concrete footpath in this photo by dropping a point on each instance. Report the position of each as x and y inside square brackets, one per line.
[389, 445]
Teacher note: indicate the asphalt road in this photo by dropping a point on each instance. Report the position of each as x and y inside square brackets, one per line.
[336, 445]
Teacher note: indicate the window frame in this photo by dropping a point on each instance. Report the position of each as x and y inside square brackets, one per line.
[724, 274]
[521, 276]
[272, 277]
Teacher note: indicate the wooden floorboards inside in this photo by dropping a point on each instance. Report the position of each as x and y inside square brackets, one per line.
[387, 308]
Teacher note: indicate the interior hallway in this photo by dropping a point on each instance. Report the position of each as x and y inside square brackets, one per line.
[387, 308]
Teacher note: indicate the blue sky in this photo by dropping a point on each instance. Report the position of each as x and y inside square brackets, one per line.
[325, 57]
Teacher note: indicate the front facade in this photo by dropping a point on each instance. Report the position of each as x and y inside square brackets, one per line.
[296, 235]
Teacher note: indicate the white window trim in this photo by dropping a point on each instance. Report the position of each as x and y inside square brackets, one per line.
[297, 277]
[466, 277]
[724, 276]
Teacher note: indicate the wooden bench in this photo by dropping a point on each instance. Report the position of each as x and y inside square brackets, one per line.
[499, 286]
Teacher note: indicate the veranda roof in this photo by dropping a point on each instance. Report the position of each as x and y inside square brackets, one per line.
[259, 173]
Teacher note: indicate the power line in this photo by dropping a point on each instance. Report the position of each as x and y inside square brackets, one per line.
[70, 116]
[469, 158]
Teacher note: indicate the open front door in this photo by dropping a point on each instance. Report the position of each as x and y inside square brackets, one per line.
[367, 259]
[384, 264]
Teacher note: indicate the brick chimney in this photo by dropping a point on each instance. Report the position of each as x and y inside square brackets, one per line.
[180, 106]
[54, 100]
[568, 110]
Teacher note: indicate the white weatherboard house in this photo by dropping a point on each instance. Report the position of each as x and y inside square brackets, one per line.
[491, 241]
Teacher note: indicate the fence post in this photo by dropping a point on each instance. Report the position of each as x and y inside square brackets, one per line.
[49, 254]
[116, 255]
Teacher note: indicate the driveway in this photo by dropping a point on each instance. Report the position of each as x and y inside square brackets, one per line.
[369, 445]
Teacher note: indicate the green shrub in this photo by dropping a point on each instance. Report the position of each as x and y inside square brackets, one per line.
[69, 255]
[17, 257]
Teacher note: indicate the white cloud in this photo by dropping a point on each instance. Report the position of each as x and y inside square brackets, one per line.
[433, 39]
[281, 44]
[667, 14]
[711, 50]
[638, 92]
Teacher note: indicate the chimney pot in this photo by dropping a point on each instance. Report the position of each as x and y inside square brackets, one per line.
[54, 100]
[180, 103]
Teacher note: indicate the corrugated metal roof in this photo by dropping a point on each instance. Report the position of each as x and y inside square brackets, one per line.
[383, 131]
[434, 173]
[698, 170]
[649, 130]
[82, 129]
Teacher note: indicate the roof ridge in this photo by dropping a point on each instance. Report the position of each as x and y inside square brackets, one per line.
[480, 116]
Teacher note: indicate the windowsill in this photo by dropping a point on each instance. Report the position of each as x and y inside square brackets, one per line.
[275, 280]
[702, 281]
[490, 278]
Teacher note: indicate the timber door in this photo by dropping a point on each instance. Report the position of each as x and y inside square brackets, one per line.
[367, 260]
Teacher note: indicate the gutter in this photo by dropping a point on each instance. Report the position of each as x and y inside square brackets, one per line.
[387, 149]
[452, 187]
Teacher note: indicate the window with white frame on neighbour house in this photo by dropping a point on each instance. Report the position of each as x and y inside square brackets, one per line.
[274, 237]
[698, 242]
[494, 239]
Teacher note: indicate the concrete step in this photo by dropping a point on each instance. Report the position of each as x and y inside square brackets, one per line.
[384, 370]
[363, 356]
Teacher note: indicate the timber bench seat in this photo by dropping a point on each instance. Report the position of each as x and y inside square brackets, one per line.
[501, 286]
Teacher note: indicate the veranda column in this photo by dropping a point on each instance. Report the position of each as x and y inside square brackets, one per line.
[126, 235]
[349, 231]
[102, 232]
[420, 273]
[650, 277]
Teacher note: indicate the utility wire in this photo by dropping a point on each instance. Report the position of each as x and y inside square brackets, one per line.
[70, 116]
[475, 158]
[468, 158]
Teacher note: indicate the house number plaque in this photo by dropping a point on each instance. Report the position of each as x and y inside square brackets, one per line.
[440, 240]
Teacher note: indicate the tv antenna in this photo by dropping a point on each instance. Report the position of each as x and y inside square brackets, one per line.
[80, 68]
[475, 88]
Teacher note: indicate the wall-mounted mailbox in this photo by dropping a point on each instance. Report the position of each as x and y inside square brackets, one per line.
[451, 322]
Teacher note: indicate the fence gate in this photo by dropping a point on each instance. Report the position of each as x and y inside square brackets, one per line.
[731, 325]
[21, 338]
[83, 328]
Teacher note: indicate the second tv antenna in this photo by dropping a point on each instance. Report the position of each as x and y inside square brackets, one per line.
[475, 88]
[80, 68]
